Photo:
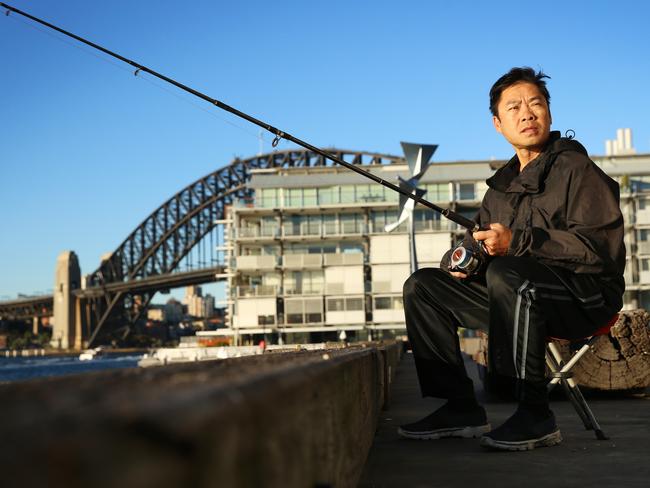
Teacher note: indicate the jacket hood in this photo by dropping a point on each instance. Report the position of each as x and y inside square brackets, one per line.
[508, 179]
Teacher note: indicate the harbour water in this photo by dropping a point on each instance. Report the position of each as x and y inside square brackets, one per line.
[25, 368]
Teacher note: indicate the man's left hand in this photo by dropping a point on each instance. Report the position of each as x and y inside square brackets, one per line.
[496, 240]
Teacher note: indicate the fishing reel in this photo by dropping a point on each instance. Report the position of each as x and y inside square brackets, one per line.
[466, 260]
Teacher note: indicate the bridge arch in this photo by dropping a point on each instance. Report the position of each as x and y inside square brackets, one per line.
[159, 243]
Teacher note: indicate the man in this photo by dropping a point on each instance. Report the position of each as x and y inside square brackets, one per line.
[554, 260]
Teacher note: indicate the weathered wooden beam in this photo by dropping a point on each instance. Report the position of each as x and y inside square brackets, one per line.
[619, 360]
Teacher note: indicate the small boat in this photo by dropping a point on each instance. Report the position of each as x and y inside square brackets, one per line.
[90, 354]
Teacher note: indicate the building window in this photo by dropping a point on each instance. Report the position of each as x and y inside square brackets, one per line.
[335, 304]
[389, 303]
[309, 197]
[293, 197]
[370, 193]
[268, 198]
[304, 282]
[328, 196]
[353, 304]
[304, 311]
[344, 304]
[379, 220]
[466, 191]
[269, 227]
[437, 192]
[351, 223]
[266, 319]
[640, 183]
[351, 247]
[347, 194]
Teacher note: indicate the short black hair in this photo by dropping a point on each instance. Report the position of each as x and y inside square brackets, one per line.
[518, 75]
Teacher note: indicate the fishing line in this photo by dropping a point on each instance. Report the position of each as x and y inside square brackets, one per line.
[140, 75]
[278, 134]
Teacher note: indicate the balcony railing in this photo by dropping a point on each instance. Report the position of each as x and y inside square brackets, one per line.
[257, 232]
[340, 259]
[343, 228]
[420, 226]
[257, 291]
[256, 262]
[304, 290]
[300, 230]
[302, 260]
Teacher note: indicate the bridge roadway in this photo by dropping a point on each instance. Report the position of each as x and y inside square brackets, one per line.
[42, 306]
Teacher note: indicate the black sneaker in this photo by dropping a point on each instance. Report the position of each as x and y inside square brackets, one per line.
[522, 432]
[445, 422]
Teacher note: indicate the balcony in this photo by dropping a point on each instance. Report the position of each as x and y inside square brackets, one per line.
[299, 261]
[435, 226]
[302, 230]
[304, 290]
[343, 259]
[344, 228]
[257, 291]
[257, 232]
[256, 262]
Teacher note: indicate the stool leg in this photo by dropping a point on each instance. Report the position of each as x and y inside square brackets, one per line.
[600, 435]
[556, 364]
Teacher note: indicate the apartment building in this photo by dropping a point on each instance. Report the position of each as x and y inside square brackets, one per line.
[309, 252]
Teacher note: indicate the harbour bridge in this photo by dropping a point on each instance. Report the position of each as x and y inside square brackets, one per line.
[176, 245]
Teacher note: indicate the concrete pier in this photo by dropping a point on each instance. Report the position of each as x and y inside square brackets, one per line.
[297, 419]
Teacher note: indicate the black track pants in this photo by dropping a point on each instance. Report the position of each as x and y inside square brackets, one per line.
[519, 304]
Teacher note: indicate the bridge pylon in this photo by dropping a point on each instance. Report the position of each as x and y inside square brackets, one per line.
[67, 278]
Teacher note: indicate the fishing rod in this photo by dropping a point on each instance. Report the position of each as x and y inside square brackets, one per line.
[279, 134]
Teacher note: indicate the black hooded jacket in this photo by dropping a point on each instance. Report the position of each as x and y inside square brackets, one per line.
[562, 209]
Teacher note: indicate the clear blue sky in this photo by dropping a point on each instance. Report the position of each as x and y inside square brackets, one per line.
[87, 150]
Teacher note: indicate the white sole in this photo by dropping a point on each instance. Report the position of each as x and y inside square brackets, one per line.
[464, 432]
[552, 439]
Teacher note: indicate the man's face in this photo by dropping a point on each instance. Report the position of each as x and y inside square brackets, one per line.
[524, 118]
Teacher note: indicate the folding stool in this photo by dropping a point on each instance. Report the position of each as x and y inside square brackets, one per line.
[561, 373]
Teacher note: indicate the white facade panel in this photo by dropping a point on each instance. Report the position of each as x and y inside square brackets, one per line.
[343, 258]
[344, 279]
[643, 217]
[431, 247]
[644, 277]
[256, 262]
[249, 309]
[389, 278]
[345, 317]
[388, 316]
[389, 249]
